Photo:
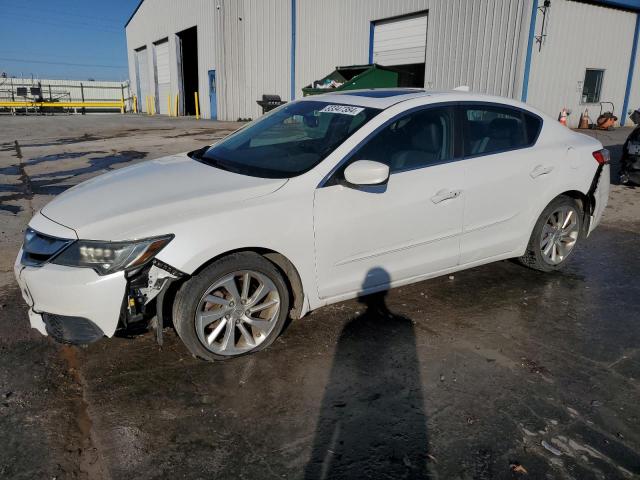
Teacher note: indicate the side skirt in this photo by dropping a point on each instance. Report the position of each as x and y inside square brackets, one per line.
[415, 279]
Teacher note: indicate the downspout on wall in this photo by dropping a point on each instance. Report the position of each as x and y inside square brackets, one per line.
[372, 29]
[293, 49]
[527, 63]
[632, 66]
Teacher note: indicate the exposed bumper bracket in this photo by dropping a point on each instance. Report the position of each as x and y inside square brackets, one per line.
[151, 284]
[159, 324]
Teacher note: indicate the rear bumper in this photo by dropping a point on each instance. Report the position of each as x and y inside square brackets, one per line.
[600, 196]
[72, 304]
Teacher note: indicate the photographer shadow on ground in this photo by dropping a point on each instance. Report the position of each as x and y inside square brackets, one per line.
[372, 422]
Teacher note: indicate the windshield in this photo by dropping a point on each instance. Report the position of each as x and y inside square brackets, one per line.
[288, 141]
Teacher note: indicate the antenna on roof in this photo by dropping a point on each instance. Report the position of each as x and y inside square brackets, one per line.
[462, 88]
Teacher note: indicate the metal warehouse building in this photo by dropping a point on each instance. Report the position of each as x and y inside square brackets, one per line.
[552, 54]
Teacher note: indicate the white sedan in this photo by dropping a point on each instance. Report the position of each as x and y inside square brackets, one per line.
[323, 199]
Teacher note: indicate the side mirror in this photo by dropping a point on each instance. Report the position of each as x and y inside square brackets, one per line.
[367, 172]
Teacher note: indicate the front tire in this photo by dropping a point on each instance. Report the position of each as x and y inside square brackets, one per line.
[235, 306]
[555, 235]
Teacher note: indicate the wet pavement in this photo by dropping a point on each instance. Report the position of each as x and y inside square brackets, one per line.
[490, 373]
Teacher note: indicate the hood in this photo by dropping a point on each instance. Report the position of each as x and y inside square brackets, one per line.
[128, 202]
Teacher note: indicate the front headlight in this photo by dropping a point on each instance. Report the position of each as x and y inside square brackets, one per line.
[110, 257]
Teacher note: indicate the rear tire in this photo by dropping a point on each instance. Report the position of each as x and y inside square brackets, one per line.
[235, 306]
[555, 235]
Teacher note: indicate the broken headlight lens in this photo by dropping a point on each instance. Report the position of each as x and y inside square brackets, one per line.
[110, 257]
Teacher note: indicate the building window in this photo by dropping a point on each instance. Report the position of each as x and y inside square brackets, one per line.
[592, 85]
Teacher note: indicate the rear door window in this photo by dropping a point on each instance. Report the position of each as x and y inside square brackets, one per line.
[492, 129]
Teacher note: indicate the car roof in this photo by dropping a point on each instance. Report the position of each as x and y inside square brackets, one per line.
[373, 97]
[383, 98]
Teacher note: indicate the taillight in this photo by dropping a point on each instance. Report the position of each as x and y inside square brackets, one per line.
[602, 156]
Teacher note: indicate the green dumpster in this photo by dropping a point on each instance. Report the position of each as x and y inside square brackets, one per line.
[356, 77]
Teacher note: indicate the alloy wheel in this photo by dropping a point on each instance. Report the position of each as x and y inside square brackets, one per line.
[237, 313]
[559, 234]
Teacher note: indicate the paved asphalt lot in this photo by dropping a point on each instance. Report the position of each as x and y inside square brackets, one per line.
[482, 375]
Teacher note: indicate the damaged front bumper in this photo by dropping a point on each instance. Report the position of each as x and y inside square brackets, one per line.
[76, 305]
[71, 304]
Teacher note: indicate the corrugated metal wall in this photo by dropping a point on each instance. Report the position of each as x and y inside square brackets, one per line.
[67, 90]
[252, 59]
[478, 43]
[248, 42]
[255, 54]
[336, 32]
[634, 98]
[160, 19]
[581, 36]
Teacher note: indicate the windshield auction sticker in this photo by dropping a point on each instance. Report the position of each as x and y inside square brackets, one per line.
[343, 109]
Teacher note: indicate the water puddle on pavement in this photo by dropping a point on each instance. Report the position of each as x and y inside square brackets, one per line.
[57, 181]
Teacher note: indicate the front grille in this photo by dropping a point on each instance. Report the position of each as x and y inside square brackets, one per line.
[39, 248]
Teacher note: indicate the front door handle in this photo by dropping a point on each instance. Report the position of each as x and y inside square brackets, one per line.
[445, 194]
[540, 170]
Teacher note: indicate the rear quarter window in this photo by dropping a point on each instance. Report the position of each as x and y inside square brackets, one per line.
[533, 125]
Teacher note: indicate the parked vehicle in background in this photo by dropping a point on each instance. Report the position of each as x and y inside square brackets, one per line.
[321, 200]
[630, 161]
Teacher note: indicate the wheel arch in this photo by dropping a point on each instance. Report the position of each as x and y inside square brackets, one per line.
[581, 197]
[530, 254]
[284, 265]
[586, 202]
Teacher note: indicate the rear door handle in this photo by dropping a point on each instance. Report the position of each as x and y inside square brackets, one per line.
[445, 194]
[540, 170]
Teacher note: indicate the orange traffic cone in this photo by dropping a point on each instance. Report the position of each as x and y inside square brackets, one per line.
[584, 119]
[562, 118]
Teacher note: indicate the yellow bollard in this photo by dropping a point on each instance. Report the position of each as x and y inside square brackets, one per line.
[177, 112]
[195, 94]
[122, 104]
[153, 104]
[135, 104]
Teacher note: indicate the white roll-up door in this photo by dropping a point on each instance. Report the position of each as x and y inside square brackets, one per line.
[142, 74]
[163, 78]
[400, 41]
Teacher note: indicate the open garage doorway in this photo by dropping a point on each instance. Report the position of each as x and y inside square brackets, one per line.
[401, 43]
[162, 77]
[142, 77]
[187, 44]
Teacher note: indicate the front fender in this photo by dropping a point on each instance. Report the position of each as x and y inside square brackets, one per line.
[284, 226]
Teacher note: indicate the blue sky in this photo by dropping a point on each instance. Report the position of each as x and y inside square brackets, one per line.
[73, 39]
